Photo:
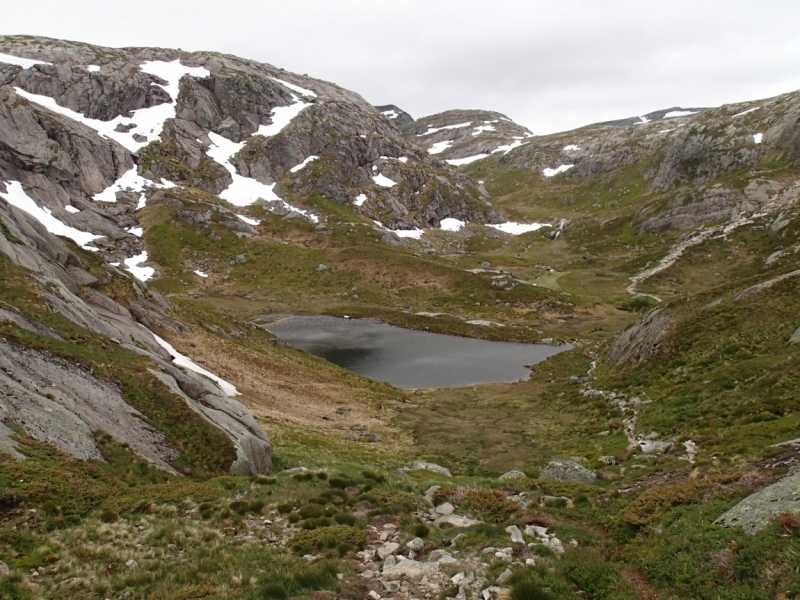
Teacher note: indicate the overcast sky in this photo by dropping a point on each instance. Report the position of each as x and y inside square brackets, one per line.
[550, 66]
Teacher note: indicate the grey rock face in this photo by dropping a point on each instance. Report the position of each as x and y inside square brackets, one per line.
[756, 511]
[641, 339]
[62, 404]
[567, 470]
[396, 115]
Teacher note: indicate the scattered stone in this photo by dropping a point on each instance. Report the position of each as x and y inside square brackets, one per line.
[374, 438]
[321, 268]
[587, 256]
[388, 549]
[516, 534]
[131, 564]
[410, 570]
[391, 586]
[445, 509]
[456, 521]
[296, 470]
[389, 562]
[241, 259]
[351, 437]
[436, 555]
[358, 428]
[368, 574]
[374, 595]
[504, 576]
[654, 447]
[418, 465]
[607, 460]
[513, 475]
[567, 470]
[416, 545]
[4, 570]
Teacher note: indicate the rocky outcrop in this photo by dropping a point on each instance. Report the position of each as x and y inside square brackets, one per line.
[458, 134]
[567, 470]
[756, 511]
[59, 402]
[640, 340]
[395, 114]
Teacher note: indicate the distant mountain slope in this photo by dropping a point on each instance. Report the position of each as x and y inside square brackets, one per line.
[462, 136]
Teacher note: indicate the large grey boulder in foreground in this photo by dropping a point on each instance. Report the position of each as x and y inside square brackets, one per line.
[756, 511]
[567, 470]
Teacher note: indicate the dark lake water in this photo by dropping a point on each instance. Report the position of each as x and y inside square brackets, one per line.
[408, 358]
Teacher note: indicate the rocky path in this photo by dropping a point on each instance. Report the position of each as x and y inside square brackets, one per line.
[697, 237]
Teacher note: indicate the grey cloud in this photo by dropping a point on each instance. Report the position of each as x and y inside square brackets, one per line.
[550, 66]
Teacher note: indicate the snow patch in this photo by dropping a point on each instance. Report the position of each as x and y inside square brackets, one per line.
[300, 167]
[518, 228]
[383, 181]
[282, 116]
[71, 209]
[643, 121]
[201, 274]
[134, 266]
[509, 147]
[679, 113]
[749, 110]
[408, 233]
[571, 148]
[560, 169]
[435, 129]
[360, 199]
[137, 231]
[465, 161]
[439, 147]
[403, 159]
[392, 114]
[93, 68]
[451, 224]
[481, 128]
[758, 137]
[186, 362]
[25, 63]
[16, 196]
[295, 88]
[248, 220]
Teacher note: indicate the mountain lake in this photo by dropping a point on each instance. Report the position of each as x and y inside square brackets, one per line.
[408, 358]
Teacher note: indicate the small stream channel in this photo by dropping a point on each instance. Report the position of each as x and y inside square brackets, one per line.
[407, 358]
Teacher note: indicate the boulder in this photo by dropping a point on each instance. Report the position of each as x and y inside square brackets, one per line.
[567, 470]
[513, 475]
[756, 511]
[419, 465]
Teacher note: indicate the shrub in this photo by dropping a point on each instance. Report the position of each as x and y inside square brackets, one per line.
[256, 506]
[421, 530]
[653, 503]
[327, 538]
[374, 476]
[339, 483]
[240, 506]
[265, 481]
[304, 476]
[345, 519]
[315, 523]
[274, 591]
[311, 511]
[491, 506]
[285, 508]
[322, 475]
[108, 516]
[527, 590]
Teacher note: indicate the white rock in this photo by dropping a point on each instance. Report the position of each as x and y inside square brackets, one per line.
[516, 534]
[410, 569]
[388, 549]
[416, 545]
[374, 595]
[504, 576]
[536, 531]
[445, 509]
[456, 521]
[389, 562]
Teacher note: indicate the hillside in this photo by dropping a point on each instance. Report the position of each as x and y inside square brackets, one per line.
[159, 207]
